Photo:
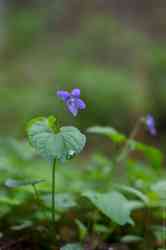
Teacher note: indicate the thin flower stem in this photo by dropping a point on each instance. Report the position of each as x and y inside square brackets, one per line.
[53, 192]
[126, 149]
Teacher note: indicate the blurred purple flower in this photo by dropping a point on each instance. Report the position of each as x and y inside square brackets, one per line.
[150, 123]
[72, 100]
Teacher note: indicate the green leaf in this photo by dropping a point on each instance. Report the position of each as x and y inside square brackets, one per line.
[131, 239]
[51, 143]
[11, 183]
[21, 149]
[159, 232]
[153, 154]
[63, 201]
[74, 246]
[113, 134]
[102, 229]
[160, 188]
[133, 191]
[111, 205]
[82, 229]
[24, 225]
[8, 201]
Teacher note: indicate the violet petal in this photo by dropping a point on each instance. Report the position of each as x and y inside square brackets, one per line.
[76, 92]
[64, 95]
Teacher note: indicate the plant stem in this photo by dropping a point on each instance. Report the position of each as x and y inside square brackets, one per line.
[36, 193]
[126, 149]
[53, 192]
[38, 199]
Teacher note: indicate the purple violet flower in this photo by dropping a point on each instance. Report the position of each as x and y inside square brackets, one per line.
[150, 123]
[72, 100]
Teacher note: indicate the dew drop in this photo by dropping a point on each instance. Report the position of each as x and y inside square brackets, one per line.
[71, 154]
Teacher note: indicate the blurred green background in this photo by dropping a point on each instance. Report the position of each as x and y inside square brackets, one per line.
[114, 51]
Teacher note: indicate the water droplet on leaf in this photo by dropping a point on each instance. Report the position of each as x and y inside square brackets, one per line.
[71, 154]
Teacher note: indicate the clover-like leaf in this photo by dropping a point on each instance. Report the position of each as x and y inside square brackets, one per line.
[114, 205]
[53, 143]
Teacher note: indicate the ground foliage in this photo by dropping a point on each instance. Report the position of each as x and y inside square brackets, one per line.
[93, 209]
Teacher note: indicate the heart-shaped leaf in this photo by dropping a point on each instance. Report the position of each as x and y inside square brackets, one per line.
[53, 143]
[114, 205]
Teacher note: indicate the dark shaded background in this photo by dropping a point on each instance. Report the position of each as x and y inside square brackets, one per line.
[113, 50]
